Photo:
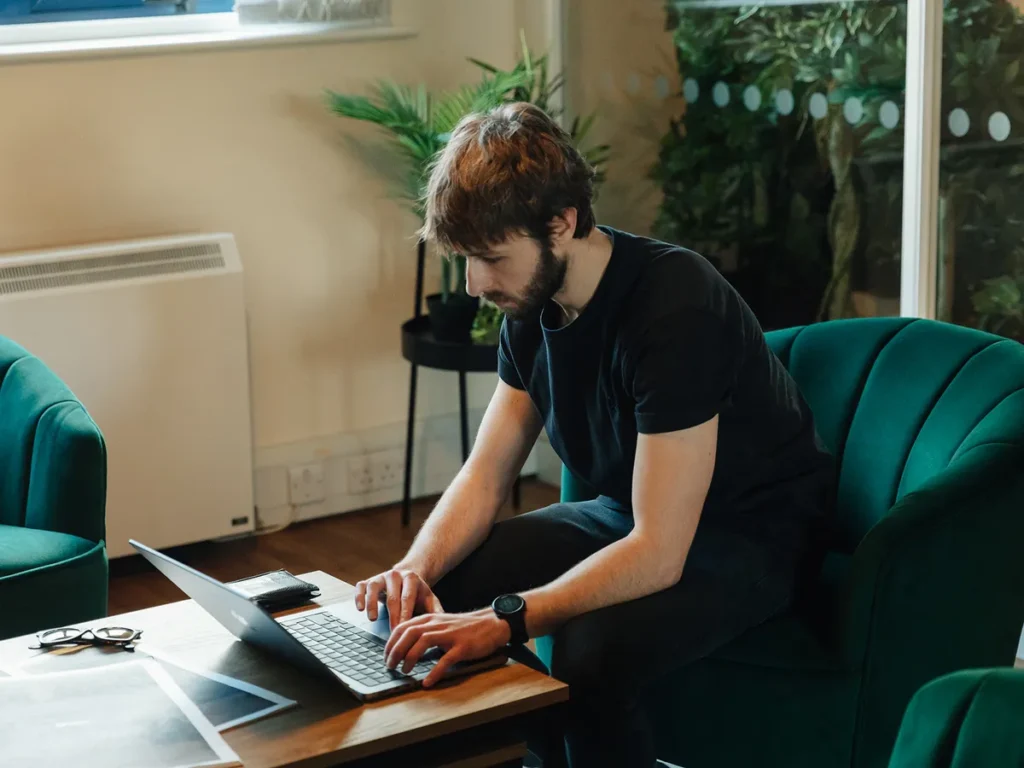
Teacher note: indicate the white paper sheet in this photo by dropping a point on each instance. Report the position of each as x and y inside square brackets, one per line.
[232, 711]
[225, 701]
[130, 715]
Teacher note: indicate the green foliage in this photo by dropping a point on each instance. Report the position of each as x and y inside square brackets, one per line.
[418, 122]
[487, 324]
[1000, 304]
[816, 203]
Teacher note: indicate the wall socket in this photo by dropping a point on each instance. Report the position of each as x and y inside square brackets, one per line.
[306, 484]
[376, 471]
[387, 468]
[359, 478]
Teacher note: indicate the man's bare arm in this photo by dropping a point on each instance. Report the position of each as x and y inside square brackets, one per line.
[467, 509]
[671, 476]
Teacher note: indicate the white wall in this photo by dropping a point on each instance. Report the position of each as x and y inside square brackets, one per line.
[239, 140]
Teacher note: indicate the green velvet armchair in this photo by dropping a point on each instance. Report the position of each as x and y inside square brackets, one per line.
[53, 464]
[925, 574]
[974, 717]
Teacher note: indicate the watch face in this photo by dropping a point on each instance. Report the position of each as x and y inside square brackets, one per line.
[508, 603]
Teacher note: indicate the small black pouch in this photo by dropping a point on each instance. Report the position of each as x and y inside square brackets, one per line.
[275, 590]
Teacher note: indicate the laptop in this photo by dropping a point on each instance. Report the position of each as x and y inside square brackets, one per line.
[337, 642]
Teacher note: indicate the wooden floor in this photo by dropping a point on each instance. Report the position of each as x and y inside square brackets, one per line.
[350, 546]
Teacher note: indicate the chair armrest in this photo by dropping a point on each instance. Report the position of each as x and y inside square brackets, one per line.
[938, 585]
[68, 478]
[971, 717]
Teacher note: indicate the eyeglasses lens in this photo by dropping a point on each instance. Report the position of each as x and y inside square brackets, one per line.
[59, 635]
[115, 633]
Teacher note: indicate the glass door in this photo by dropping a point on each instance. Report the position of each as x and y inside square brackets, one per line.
[778, 149]
[980, 245]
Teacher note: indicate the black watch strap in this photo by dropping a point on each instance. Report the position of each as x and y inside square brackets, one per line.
[512, 609]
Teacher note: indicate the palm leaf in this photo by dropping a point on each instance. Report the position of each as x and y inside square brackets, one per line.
[358, 108]
[581, 129]
[491, 92]
[418, 124]
[597, 156]
[483, 65]
[409, 107]
[526, 60]
[452, 107]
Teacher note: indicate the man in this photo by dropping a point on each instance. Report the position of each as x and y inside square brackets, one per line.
[657, 389]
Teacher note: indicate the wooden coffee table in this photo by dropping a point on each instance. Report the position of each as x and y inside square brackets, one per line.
[469, 722]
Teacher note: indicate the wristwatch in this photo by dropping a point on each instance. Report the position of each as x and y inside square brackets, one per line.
[512, 608]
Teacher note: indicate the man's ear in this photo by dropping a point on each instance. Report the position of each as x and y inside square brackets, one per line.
[563, 226]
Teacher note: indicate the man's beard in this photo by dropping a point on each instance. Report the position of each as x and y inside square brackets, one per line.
[547, 280]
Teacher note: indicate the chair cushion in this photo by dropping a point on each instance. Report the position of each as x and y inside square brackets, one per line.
[965, 718]
[22, 549]
[49, 579]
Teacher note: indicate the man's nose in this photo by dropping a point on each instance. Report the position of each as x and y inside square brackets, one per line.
[476, 280]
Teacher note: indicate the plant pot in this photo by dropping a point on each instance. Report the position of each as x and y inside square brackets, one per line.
[452, 320]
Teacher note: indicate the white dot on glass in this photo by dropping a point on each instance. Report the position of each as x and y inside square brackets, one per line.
[889, 115]
[720, 94]
[999, 126]
[784, 101]
[633, 83]
[661, 87]
[691, 90]
[609, 81]
[959, 122]
[751, 98]
[853, 110]
[818, 106]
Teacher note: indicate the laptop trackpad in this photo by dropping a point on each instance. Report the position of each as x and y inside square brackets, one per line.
[347, 611]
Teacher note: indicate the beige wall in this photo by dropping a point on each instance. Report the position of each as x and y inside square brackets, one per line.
[620, 60]
[238, 141]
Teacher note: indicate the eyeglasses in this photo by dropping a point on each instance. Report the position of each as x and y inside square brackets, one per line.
[120, 636]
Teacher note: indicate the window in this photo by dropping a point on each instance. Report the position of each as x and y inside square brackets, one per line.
[14, 12]
[29, 11]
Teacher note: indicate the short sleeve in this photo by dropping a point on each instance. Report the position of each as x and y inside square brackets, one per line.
[507, 370]
[682, 369]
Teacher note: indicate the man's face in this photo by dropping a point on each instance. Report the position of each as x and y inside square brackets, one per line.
[519, 276]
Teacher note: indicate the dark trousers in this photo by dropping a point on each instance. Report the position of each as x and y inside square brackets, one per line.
[607, 657]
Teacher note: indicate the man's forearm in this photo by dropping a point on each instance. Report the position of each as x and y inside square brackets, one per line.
[628, 569]
[457, 525]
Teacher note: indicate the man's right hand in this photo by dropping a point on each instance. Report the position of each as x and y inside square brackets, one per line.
[407, 594]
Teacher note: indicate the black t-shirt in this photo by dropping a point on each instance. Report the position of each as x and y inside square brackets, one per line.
[664, 344]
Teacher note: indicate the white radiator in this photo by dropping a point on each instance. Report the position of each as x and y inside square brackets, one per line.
[151, 337]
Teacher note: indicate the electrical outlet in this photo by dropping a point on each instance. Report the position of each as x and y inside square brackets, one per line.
[360, 479]
[306, 483]
[387, 468]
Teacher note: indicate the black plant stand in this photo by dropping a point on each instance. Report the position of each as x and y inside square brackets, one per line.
[420, 347]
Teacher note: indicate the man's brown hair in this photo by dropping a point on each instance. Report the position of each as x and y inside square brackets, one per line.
[510, 171]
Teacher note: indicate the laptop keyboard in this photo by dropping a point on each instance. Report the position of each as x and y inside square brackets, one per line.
[348, 649]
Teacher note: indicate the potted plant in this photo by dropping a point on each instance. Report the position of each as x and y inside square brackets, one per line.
[418, 125]
[452, 311]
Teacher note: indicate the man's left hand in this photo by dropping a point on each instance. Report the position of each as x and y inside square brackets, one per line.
[462, 636]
